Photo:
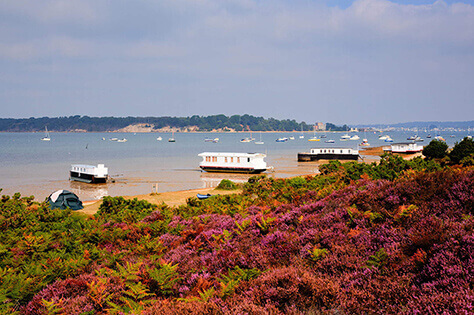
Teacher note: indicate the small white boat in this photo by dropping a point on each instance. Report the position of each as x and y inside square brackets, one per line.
[215, 140]
[46, 136]
[122, 140]
[260, 141]
[244, 140]
[172, 139]
[159, 138]
[330, 141]
[354, 137]
[383, 137]
[364, 143]
[388, 139]
[113, 139]
[283, 139]
[292, 138]
[103, 139]
[314, 139]
[345, 137]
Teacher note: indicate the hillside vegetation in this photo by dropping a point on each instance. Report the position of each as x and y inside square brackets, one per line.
[203, 123]
[393, 238]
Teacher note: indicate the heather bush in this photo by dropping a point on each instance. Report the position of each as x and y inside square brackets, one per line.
[355, 239]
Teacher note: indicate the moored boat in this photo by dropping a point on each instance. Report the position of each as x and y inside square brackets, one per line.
[328, 154]
[345, 137]
[89, 173]
[364, 143]
[233, 162]
[405, 147]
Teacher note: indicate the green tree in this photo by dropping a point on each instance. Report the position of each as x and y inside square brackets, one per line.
[462, 150]
[435, 150]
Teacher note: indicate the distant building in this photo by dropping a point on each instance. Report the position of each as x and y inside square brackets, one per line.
[320, 126]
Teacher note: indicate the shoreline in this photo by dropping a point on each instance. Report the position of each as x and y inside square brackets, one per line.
[179, 197]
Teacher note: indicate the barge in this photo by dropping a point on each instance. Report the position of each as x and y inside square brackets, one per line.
[329, 154]
[405, 148]
[89, 173]
[250, 163]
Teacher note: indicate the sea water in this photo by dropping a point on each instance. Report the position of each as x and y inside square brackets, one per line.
[34, 167]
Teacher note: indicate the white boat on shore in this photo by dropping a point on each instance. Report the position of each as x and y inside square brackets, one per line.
[232, 162]
[89, 173]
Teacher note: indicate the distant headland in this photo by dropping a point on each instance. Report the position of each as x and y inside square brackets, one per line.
[214, 123]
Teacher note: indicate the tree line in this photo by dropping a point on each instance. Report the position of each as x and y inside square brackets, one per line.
[204, 123]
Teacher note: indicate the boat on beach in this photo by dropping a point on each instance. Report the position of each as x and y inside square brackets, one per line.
[233, 162]
[405, 147]
[89, 173]
[328, 154]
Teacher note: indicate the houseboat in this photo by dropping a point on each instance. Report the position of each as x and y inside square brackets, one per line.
[405, 147]
[329, 154]
[252, 163]
[89, 173]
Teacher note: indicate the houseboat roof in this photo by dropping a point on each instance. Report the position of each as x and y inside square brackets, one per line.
[88, 166]
[404, 143]
[231, 154]
[332, 148]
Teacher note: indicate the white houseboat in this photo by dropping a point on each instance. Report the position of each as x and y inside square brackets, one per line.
[233, 162]
[89, 173]
[328, 154]
[405, 147]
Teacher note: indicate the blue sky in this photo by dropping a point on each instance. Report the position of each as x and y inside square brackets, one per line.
[363, 61]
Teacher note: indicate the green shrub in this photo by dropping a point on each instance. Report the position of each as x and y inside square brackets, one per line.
[462, 150]
[226, 184]
[435, 150]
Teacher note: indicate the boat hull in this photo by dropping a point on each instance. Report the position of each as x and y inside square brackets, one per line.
[307, 157]
[220, 169]
[86, 178]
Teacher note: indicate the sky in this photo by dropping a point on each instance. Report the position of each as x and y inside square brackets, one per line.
[339, 61]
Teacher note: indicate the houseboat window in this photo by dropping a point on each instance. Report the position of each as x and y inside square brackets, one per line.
[248, 159]
[225, 159]
[232, 160]
[341, 151]
[238, 160]
[332, 151]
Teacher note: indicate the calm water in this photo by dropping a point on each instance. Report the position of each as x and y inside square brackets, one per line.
[34, 167]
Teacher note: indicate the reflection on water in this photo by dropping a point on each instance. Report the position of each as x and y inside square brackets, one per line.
[92, 191]
[212, 180]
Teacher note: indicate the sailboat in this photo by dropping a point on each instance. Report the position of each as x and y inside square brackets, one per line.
[302, 135]
[172, 139]
[260, 141]
[314, 138]
[46, 137]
